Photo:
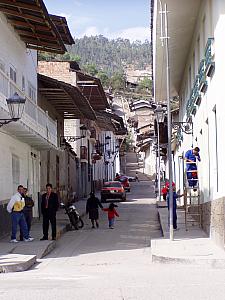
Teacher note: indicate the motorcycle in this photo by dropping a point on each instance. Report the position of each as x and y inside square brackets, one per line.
[74, 216]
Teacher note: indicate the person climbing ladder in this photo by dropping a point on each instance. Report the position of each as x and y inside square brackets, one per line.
[191, 156]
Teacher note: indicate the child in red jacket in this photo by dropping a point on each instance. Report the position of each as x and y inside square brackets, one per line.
[111, 214]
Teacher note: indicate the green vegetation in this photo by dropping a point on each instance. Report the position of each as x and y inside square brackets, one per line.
[107, 60]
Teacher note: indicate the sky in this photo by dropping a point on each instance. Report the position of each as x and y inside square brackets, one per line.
[116, 18]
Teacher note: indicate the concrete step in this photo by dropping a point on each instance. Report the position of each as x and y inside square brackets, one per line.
[16, 262]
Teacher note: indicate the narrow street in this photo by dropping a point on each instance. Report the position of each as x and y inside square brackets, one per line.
[113, 264]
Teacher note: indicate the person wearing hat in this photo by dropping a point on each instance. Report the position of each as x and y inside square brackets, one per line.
[191, 157]
[92, 206]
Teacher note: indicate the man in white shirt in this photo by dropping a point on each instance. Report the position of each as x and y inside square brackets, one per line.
[15, 208]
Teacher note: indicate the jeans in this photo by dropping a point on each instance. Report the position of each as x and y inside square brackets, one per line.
[174, 218]
[192, 175]
[18, 219]
[111, 222]
[28, 219]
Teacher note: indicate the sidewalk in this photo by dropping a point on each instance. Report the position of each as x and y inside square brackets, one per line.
[189, 247]
[21, 256]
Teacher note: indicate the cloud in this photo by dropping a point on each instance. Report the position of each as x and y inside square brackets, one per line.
[91, 31]
[133, 33]
[77, 3]
[65, 15]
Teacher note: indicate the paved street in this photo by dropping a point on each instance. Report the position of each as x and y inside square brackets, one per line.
[114, 264]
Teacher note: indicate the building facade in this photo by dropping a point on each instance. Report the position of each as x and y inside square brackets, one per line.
[197, 65]
[22, 141]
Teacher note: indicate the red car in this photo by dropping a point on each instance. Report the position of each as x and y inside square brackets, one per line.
[125, 183]
[112, 190]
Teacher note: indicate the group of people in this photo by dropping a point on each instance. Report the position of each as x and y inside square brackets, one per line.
[191, 157]
[92, 207]
[20, 208]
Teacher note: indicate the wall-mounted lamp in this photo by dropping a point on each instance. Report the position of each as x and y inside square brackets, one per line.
[16, 107]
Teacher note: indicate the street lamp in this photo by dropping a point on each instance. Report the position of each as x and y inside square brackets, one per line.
[16, 107]
[160, 116]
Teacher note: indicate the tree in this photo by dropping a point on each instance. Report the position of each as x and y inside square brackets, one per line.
[118, 81]
[90, 69]
[104, 78]
[145, 85]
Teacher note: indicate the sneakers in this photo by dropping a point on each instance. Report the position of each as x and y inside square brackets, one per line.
[14, 241]
[111, 227]
[30, 239]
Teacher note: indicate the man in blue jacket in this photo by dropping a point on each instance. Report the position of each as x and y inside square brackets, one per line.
[191, 156]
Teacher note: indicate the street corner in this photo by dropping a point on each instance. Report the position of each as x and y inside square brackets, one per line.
[16, 262]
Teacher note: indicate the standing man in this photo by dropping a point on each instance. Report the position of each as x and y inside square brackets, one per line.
[191, 157]
[27, 210]
[15, 208]
[49, 207]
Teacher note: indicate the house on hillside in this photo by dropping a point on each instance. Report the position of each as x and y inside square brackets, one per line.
[25, 28]
[97, 143]
[197, 66]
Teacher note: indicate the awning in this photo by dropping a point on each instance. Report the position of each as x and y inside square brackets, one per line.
[92, 88]
[66, 99]
[182, 19]
[63, 29]
[111, 122]
[35, 26]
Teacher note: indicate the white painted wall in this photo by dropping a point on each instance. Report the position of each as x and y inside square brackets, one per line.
[212, 167]
[28, 168]
[14, 52]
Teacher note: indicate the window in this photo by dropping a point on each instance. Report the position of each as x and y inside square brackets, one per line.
[23, 83]
[198, 50]
[189, 78]
[216, 148]
[203, 32]
[12, 72]
[2, 66]
[193, 66]
[15, 171]
[31, 92]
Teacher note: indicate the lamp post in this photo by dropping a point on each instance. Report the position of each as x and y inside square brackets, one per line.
[16, 107]
[159, 112]
[164, 36]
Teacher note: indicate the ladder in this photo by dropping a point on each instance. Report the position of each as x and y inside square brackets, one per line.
[192, 206]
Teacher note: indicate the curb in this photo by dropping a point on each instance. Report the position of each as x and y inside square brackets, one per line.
[11, 262]
[201, 260]
[20, 266]
[213, 263]
[51, 246]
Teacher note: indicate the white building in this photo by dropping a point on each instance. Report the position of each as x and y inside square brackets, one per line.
[22, 31]
[197, 61]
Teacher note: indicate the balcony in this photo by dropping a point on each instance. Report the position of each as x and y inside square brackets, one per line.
[196, 94]
[35, 128]
[209, 58]
[191, 107]
[202, 77]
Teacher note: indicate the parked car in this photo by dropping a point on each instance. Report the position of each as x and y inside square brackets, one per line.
[131, 178]
[113, 190]
[125, 183]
